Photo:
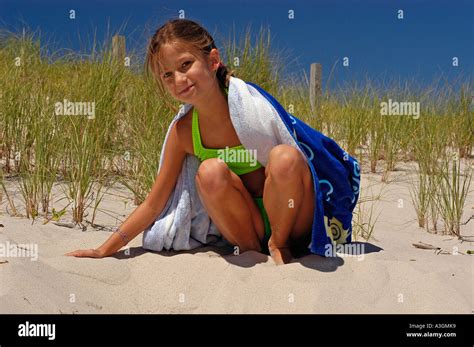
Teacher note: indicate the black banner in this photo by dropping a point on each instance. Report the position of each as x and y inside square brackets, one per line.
[449, 330]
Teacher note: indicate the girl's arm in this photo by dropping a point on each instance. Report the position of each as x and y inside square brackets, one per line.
[150, 209]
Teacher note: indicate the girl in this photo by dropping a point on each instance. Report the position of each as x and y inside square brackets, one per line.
[248, 203]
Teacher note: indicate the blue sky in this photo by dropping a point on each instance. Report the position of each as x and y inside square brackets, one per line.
[378, 44]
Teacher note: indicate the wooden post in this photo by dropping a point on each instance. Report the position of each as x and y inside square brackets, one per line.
[315, 87]
[118, 48]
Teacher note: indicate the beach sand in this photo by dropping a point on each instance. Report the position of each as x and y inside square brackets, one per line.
[391, 276]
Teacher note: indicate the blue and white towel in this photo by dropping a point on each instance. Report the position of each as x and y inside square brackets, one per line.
[261, 123]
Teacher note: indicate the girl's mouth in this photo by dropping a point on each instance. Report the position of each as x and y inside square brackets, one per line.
[186, 90]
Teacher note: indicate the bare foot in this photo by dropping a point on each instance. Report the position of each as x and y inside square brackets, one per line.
[280, 255]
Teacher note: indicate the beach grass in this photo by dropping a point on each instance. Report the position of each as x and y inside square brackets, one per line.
[123, 141]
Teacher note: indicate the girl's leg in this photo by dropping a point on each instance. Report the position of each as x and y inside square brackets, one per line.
[288, 197]
[230, 205]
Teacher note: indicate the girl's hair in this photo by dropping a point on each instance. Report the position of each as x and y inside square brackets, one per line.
[187, 34]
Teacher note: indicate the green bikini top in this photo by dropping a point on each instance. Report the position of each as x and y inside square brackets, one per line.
[237, 158]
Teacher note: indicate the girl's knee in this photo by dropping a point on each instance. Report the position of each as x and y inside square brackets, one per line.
[212, 175]
[284, 162]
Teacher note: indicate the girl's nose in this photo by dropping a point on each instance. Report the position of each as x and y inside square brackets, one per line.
[180, 78]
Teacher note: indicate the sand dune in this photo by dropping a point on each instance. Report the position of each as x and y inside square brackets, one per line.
[391, 276]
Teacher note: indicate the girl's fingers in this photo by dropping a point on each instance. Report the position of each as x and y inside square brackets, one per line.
[83, 253]
[74, 253]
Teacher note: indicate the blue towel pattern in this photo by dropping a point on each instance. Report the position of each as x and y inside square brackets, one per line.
[336, 178]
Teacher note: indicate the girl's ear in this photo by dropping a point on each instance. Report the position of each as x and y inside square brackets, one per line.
[214, 59]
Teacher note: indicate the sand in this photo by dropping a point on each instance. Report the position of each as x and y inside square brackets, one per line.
[391, 276]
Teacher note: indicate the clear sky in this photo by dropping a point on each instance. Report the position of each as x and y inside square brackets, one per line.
[378, 44]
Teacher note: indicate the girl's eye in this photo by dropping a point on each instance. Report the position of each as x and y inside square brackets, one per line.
[166, 75]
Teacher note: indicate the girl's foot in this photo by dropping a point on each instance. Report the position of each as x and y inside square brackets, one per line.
[280, 255]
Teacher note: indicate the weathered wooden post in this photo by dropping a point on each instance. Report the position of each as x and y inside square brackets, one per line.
[118, 48]
[315, 87]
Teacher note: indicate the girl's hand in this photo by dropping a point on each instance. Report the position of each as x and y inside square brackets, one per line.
[86, 253]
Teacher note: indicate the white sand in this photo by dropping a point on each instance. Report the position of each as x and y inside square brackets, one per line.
[392, 277]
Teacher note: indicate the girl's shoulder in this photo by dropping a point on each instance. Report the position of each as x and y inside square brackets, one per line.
[184, 127]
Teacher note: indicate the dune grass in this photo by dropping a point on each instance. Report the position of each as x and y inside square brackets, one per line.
[122, 143]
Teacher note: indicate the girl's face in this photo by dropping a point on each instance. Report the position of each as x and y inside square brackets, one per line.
[187, 76]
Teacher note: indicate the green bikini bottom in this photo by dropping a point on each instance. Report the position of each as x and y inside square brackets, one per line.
[266, 222]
